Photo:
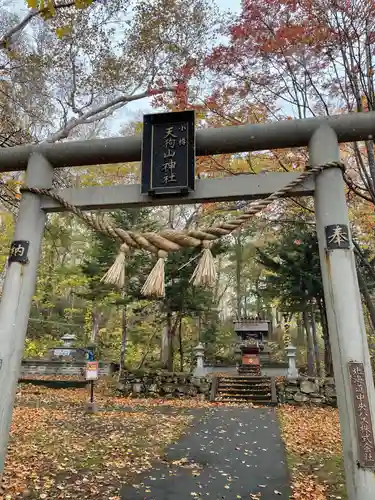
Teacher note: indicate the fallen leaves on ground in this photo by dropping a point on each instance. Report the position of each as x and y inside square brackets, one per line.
[57, 451]
[313, 442]
[39, 395]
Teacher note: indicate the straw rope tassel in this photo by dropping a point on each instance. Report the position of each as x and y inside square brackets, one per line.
[116, 273]
[155, 283]
[205, 272]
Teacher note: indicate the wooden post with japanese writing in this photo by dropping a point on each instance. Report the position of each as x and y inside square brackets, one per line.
[350, 353]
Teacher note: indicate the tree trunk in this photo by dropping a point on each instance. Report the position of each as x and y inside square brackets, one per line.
[124, 332]
[310, 347]
[279, 318]
[244, 307]
[147, 350]
[164, 351]
[300, 331]
[328, 366]
[171, 335]
[238, 250]
[95, 325]
[360, 257]
[258, 306]
[371, 159]
[181, 346]
[167, 338]
[170, 351]
[219, 268]
[315, 342]
[367, 298]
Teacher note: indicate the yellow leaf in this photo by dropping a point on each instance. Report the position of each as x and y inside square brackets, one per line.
[62, 31]
[33, 4]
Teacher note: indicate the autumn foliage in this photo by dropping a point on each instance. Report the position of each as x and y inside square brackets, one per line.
[312, 438]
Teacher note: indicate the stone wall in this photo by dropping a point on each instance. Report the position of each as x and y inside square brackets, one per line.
[139, 383]
[42, 367]
[307, 390]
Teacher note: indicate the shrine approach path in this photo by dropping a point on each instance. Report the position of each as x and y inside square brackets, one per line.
[227, 454]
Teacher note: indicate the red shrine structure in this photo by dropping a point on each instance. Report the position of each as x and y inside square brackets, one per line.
[252, 337]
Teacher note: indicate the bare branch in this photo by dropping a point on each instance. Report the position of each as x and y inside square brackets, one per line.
[367, 181]
[355, 189]
[102, 111]
[72, 97]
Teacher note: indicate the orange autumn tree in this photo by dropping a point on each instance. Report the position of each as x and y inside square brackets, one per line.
[304, 58]
[308, 58]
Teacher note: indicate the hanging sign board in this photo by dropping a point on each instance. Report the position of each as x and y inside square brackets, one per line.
[92, 370]
[168, 153]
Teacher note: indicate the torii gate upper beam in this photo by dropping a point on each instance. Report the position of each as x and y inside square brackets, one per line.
[235, 139]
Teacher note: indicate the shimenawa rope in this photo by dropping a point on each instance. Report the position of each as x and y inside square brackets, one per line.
[169, 240]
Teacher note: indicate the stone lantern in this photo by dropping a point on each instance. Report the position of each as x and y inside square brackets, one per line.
[68, 340]
[199, 353]
[292, 372]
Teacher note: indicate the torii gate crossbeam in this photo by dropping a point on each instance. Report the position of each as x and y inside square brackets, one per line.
[221, 140]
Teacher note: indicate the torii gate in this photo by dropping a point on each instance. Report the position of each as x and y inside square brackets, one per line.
[351, 361]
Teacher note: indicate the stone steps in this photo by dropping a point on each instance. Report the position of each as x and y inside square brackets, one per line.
[249, 370]
[249, 396]
[251, 378]
[245, 389]
[246, 381]
[265, 402]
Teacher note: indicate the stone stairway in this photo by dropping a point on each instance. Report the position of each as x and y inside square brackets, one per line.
[253, 370]
[245, 389]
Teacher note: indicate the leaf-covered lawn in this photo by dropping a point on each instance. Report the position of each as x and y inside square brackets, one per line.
[313, 442]
[57, 451]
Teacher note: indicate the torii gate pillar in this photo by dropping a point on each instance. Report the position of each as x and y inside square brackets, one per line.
[350, 354]
[18, 291]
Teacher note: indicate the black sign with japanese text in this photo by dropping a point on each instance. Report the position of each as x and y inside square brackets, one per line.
[18, 251]
[168, 153]
[337, 237]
